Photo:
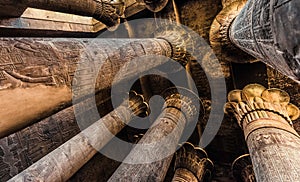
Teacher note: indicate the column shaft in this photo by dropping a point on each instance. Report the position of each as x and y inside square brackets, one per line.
[27, 146]
[150, 159]
[265, 116]
[161, 139]
[63, 162]
[275, 154]
[268, 30]
[104, 11]
[46, 67]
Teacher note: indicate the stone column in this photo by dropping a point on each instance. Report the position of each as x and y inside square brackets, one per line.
[151, 158]
[21, 149]
[105, 11]
[242, 169]
[267, 30]
[192, 165]
[265, 116]
[47, 67]
[63, 162]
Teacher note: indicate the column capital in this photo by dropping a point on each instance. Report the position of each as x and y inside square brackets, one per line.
[184, 100]
[195, 160]
[257, 107]
[180, 39]
[109, 12]
[219, 34]
[242, 169]
[137, 104]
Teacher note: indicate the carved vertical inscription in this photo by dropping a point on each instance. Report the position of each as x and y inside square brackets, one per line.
[265, 30]
[275, 154]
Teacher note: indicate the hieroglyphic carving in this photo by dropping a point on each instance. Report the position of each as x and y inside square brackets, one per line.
[25, 58]
[161, 139]
[275, 155]
[73, 154]
[264, 30]
[265, 116]
[52, 63]
[23, 148]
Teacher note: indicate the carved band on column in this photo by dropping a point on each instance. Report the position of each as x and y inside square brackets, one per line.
[242, 169]
[192, 164]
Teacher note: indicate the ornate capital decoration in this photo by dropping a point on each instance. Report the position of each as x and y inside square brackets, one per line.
[183, 100]
[180, 40]
[219, 34]
[195, 160]
[257, 107]
[109, 12]
[137, 104]
[242, 169]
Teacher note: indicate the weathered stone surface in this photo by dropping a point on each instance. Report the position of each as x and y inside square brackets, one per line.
[104, 11]
[64, 161]
[150, 160]
[46, 67]
[268, 31]
[25, 147]
[275, 155]
[265, 117]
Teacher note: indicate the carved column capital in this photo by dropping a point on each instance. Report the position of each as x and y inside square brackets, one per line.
[195, 161]
[257, 107]
[242, 169]
[180, 39]
[219, 34]
[137, 104]
[109, 12]
[183, 100]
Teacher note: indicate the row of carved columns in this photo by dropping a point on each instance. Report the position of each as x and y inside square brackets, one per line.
[179, 109]
[247, 31]
[265, 115]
